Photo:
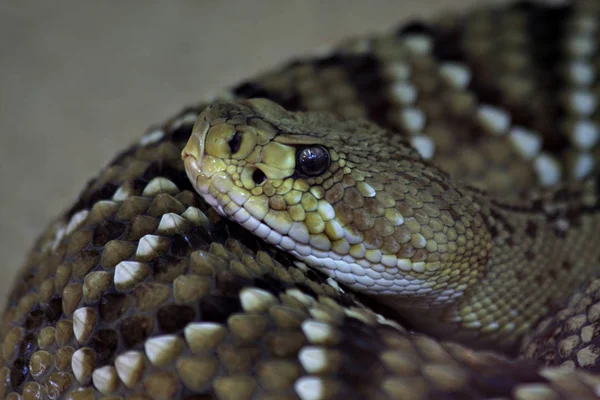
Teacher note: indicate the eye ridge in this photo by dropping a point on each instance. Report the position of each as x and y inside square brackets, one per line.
[235, 143]
[312, 160]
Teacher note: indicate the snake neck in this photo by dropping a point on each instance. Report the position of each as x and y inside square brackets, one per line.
[538, 258]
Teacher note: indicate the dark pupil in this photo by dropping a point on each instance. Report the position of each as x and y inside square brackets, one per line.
[235, 142]
[313, 161]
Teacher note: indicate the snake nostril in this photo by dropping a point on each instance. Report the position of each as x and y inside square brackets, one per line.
[258, 177]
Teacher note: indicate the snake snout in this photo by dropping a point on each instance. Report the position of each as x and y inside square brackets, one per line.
[194, 148]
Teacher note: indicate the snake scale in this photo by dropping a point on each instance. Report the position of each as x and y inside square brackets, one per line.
[410, 216]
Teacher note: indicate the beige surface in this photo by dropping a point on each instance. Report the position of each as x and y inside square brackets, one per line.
[79, 80]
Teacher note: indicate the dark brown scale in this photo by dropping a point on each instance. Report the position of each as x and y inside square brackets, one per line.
[316, 275]
[560, 232]
[92, 195]
[108, 231]
[491, 384]
[141, 225]
[135, 330]
[197, 397]
[530, 255]
[53, 310]
[197, 239]
[174, 318]
[34, 320]
[564, 195]
[415, 27]
[105, 343]
[148, 295]
[531, 229]
[218, 308]
[183, 132]
[28, 346]
[18, 373]
[270, 284]
[362, 351]
[220, 231]
[248, 90]
[502, 220]
[510, 242]
[227, 283]
[363, 73]
[169, 267]
[306, 289]
[138, 185]
[163, 204]
[113, 305]
[520, 274]
[160, 168]
[546, 28]
[179, 246]
[446, 42]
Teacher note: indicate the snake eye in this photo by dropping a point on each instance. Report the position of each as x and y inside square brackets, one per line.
[312, 161]
[235, 143]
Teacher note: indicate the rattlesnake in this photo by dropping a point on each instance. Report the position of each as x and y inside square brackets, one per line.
[439, 181]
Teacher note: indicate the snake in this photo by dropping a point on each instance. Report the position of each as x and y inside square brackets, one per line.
[410, 215]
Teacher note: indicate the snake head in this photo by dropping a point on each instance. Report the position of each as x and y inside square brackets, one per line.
[345, 196]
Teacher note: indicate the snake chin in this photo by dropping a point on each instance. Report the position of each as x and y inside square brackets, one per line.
[357, 274]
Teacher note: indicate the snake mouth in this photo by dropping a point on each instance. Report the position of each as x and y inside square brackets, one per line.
[200, 167]
[193, 152]
[191, 163]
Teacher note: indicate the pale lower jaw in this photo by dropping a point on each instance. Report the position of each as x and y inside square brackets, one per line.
[358, 274]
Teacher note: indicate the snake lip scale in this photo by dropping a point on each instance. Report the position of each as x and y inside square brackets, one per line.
[413, 216]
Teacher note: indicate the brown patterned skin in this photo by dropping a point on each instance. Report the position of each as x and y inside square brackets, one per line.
[569, 338]
[141, 290]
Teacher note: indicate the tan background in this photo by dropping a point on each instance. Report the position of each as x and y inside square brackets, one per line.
[79, 80]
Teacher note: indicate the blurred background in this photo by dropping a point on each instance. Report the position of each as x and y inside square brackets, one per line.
[79, 80]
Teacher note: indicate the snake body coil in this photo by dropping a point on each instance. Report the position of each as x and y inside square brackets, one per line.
[392, 221]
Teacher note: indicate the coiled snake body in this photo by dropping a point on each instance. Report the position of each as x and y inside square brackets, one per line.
[413, 216]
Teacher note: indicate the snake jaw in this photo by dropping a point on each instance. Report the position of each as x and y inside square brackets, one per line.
[200, 167]
[192, 155]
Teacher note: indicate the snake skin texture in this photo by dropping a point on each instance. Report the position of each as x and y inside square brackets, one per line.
[141, 290]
